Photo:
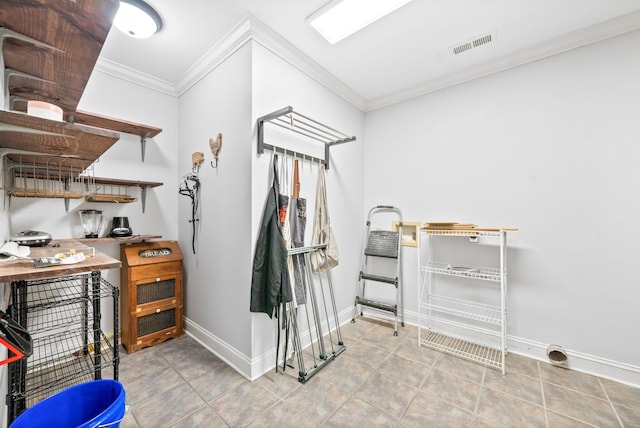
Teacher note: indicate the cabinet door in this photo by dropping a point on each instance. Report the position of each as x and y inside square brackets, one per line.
[162, 290]
[155, 325]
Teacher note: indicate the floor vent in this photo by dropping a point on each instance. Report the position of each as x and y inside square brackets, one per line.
[471, 44]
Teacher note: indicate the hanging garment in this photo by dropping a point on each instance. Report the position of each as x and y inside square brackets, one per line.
[322, 232]
[298, 225]
[270, 277]
[284, 220]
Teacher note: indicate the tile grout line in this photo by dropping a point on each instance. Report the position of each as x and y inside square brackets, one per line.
[610, 403]
[476, 406]
[544, 400]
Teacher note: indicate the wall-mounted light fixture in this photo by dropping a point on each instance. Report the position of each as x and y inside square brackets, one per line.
[137, 19]
[341, 18]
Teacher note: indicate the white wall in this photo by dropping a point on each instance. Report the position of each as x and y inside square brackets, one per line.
[217, 276]
[229, 99]
[277, 84]
[550, 147]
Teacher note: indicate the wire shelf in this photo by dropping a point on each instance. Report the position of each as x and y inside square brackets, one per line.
[62, 360]
[471, 310]
[463, 232]
[486, 273]
[51, 180]
[68, 346]
[54, 303]
[482, 354]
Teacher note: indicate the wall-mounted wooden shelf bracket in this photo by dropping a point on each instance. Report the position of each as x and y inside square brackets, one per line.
[122, 198]
[9, 73]
[143, 146]
[92, 119]
[6, 33]
[311, 129]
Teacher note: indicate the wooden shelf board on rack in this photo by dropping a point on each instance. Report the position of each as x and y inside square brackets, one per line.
[119, 125]
[122, 240]
[75, 32]
[69, 145]
[104, 197]
[45, 194]
[127, 183]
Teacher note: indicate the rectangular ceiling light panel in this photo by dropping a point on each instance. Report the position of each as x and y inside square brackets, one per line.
[341, 18]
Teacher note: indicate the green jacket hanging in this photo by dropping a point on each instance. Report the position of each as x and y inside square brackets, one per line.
[270, 277]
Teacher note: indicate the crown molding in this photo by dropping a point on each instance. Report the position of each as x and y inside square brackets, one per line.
[252, 29]
[230, 43]
[576, 39]
[248, 29]
[278, 45]
[134, 76]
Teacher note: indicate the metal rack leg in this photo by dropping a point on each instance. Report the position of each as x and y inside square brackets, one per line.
[116, 343]
[16, 397]
[97, 346]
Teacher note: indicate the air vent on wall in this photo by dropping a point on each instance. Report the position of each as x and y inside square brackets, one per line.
[471, 44]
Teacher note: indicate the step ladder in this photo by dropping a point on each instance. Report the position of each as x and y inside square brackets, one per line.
[381, 244]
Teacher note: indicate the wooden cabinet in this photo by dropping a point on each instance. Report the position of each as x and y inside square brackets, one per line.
[151, 299]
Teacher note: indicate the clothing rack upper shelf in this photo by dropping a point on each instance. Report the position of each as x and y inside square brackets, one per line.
[296, 122]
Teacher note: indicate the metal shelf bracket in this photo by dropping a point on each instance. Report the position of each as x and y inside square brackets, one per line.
[7, 73]
[143, 148]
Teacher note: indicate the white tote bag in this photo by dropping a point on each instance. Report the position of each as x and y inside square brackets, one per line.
[322, 231]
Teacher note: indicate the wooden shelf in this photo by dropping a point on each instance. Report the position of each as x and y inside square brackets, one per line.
[106, 197]
[122, 198]
[35, 193]
[62, 144]
[123, 240]
[119, 125]
[74, 32]
[128, 183]
[50, 48]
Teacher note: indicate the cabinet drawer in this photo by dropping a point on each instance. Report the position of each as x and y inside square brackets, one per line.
[154, 270]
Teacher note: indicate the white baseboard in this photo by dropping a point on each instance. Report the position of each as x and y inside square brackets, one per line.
[249, 368]
[240, 362]
[590, 364]
[254, 368]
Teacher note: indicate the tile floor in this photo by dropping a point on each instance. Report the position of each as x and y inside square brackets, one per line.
[380, 380]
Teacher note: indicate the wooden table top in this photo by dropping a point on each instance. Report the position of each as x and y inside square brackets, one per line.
[25, 269]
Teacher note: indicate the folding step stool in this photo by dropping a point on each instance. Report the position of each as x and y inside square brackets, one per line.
[382, 244]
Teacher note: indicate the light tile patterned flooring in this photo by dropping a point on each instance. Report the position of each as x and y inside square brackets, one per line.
[380, 380]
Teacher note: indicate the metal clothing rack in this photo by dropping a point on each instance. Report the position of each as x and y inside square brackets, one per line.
[293, 121]
[318, 313]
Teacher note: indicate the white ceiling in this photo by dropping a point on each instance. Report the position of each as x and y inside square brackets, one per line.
[405, 54]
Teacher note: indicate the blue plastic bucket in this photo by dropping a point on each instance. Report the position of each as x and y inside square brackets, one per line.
[88, 405]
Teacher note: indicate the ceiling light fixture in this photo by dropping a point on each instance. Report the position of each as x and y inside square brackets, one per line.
[137, 19]
[339, 19]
